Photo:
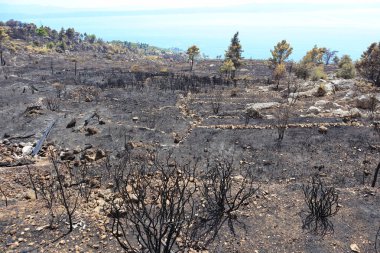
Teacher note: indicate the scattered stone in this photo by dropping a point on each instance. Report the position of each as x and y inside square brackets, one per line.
[322, 130]
[89, 98]
[262, 106]
[354, 248]
[364, 102]
[323, 103]
[42, 228]
[99, 154]
[27, 150]
[72, 123]
[135, 119]
[94, 183]
[340, 113]
[314, 110]
[29, 195]
[355, 113]
[92, 130]
[67, 156]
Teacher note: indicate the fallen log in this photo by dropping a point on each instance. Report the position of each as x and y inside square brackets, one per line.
[375, 175]
[21, 137]
[38, 147]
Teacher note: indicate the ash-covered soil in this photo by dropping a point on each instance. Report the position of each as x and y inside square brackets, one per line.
[332, 136]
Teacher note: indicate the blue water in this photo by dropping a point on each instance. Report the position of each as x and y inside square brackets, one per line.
[350, 31]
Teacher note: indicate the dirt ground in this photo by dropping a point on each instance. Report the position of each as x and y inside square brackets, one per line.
[183, 122]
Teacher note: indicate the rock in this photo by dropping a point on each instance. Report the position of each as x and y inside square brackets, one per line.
[340, 113]
[29, 195]
[355, 113]
[89, 156]
[99, 154]
[314, 110]
[72, 123]
[135, 119]
[354, 248]
[343, 84]
[322, 130]
[177, 138]
[321, 91]
[252, 113]
[261, 106]
[42, 228]
[27, 150]
[322, 103]
[67, 156]
[92, 130]
[94, 183]
[87, 146]
[238, 178]
[349, 94]
[365, 102]
[89, 98]
[15, 245]
[92, 155]
[102, 122]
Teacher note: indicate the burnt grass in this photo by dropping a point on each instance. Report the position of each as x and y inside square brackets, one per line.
[165, 111]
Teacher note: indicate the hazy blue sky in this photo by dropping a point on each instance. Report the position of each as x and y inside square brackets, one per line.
[347, 26]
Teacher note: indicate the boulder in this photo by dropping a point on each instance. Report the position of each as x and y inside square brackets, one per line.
[261, 106]
[314, 110]
[340, 113]
[365, 102]
[27, 150]
[323, 103]
[343, 84]
[355, 113]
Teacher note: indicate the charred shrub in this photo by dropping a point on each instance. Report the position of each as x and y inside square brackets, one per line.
[322, 203]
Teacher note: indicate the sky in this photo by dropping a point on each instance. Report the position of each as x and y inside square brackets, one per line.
[347, 26]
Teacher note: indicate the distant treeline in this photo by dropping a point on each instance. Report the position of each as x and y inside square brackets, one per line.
[72, 40]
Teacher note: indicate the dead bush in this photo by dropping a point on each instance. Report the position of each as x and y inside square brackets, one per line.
[52, 103]
[155, 207]
[322, 203]
[224, 191]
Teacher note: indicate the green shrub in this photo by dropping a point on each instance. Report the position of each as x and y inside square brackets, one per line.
[303, 70]
[318, 73]
[346, 68]
[50, 45]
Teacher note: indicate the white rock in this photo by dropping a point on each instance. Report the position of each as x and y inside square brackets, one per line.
[27, 150]
[322, 103]
[314, 110]
[340, 113]
[355, 113]
[354, 248]
[261, 106]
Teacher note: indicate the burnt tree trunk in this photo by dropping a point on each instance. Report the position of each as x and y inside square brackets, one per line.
[375, 176]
